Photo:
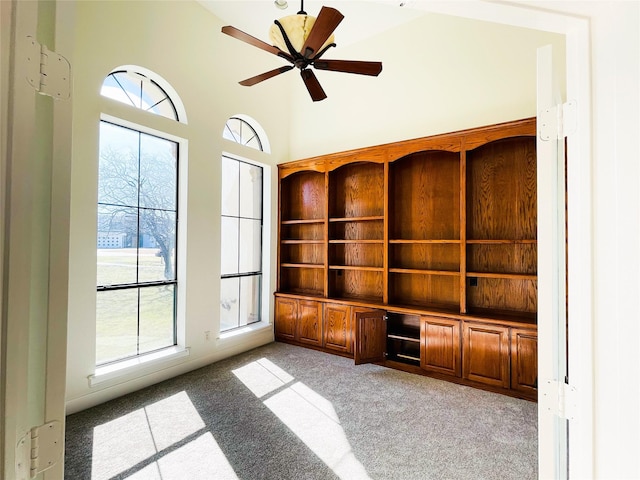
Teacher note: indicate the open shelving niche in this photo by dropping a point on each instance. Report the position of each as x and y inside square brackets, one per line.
[302, 234]
[436, 235]
[356, 231]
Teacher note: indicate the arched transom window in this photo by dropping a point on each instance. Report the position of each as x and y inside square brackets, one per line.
[139, 91]
[240, 131]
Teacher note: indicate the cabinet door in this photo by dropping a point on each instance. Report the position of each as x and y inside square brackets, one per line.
[440, 345]
[286, 314]
[337, 328]
[524, 360]
[310, 322]
[371, 336]
[485, 354]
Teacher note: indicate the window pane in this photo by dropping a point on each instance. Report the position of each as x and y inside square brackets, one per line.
[116, 249]
[118, 165]
[156, 317]
[232, 130]
[229, 303]
[250, 299]
[229, 245]
[250, 191]
[230, 186]
[239, 131]
[253, 141]
[155, 100]
[158, 172]
[250, 245]
[138, 91]
[116, 325]
[157, 245]
[117, 85]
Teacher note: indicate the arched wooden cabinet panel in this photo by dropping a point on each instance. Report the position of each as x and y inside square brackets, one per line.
[422, 255]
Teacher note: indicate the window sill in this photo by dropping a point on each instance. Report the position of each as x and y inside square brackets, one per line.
[254, 327]
[131, 366]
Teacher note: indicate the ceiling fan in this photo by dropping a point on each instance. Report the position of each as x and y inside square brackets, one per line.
[302, 40]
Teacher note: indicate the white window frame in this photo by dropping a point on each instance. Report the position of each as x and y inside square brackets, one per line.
[132, 367]
[265, 295]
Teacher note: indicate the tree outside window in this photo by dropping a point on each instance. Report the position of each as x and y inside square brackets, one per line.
[136, 251]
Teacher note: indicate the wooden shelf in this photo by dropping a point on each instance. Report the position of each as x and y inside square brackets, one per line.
[358, 219]
[425, 242]
[406, 339]
[356, 268]
[301, 265]
[302, 242]
[374, 242]
[302, 221]
[416, 271]
[407, 357]
[514, 276]
[501, 242]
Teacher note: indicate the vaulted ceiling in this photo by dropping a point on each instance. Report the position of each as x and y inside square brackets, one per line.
[363, 19]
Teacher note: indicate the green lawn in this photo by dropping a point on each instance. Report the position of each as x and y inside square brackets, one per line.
[117, 322]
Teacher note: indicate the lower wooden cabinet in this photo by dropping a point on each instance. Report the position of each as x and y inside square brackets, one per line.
[503, 357]
[440, 345]
[485, 354]
[298, 320]
[337, 328]
[524, 361]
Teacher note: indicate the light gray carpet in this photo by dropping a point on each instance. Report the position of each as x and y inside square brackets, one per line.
[282, 412]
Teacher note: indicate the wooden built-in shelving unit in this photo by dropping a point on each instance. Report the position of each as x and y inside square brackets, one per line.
[436, 235]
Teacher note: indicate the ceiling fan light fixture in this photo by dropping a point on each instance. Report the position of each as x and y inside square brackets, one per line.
[281, 4]
[291, 35]
[297, 28]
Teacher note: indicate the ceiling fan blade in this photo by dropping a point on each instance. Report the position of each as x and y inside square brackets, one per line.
[265, 76]
[327, 21]
[313, 86]
[350, 66]
[245, 37]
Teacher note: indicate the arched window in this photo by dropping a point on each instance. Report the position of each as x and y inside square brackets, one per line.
[240, 131]
[246, 131]
[137, 223]
[241, 229]
[139, 91]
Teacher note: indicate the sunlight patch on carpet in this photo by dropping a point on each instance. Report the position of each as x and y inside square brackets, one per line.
[152, 443]
[306, 413]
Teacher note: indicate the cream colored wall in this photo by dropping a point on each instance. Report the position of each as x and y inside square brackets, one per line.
[440, 74]
[182, 43]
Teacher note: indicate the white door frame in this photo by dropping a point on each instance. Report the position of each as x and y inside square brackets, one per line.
[578, 86]
[35, 160]
[579, 209]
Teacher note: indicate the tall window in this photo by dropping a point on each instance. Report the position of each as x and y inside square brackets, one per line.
[241, 227]
[241, 244]
[137, 227]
